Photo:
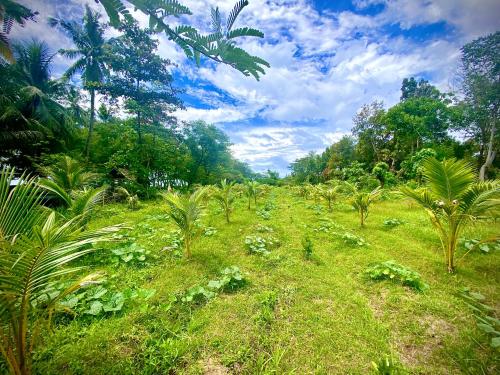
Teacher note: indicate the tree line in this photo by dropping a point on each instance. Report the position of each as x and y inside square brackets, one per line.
[112, 109]
[389, 145]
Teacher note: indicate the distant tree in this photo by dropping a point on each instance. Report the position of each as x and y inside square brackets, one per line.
[341, 154]
[372, 136]
[88, 37]
[141, 76]
[308, 168]
[481, 86]
[411, 88]
[209, 148]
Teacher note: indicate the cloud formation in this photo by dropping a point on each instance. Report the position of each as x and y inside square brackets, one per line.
[326, 61]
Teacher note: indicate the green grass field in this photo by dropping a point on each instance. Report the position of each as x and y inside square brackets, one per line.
[317, 316]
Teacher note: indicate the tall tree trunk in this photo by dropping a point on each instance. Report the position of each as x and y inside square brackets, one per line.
[91, 123]
[490, 156]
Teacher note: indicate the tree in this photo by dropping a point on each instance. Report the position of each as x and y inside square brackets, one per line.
[251, 191]
[481, 86]
[340, 155]
[361, 201]
[68, 173]
[218, 46]
[308, 168]
[11, 12]
[411, 88]
[140, 76]
[35, 247]
[186, 213]
[370, 129]
[225, 197]
[330, 194]
[381, 171]
[210, 153]
[32, 119]
[88, 38]
[453, 199]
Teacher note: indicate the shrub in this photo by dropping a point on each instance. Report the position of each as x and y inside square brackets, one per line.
[390, 270]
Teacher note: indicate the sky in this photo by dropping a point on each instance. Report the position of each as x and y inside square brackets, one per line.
[328, 58]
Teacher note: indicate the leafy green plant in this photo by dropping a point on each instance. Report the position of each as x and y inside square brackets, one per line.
[484, 246]
[186, 213]
[36, 249]
[453, 199]
[393, 222]
[264, 214]
[256, 244]
[131, 254]
[174, 241]
[231, 279]
[209, 231]
[225, 197]
[261, 228]
[352, 239]
[390, 270]
[484, 314]
[326, 225]
[308, 247]
[268, 301]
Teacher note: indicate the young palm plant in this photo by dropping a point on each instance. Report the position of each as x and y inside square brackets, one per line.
[330, 194]
[35, 250]
[252, 190]
[453, 198]
[361, 201]
[69, 174]
[225, 197]
[186, 212]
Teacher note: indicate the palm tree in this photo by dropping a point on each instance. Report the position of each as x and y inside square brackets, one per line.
[252, 188]
[453, 198]
[361, 200]
[329, 193]
[10, 12]
[186, 212]
[69, 174]
[35, 248]
[89, 42]
[225, 197]
[27, 101]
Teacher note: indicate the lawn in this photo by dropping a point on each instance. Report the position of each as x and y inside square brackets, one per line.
[294, 315]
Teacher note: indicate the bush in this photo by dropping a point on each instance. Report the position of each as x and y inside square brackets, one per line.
[390, 270]
[308, 247]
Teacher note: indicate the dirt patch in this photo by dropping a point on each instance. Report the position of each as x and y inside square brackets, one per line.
[212, 367]
[376, 303]
[436, 329]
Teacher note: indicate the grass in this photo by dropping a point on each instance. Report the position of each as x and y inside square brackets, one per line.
[317, 316]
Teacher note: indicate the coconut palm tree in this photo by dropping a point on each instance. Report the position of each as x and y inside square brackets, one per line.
[35, 249]
[330, 194]
[252, 190]
[361, 200]
[186, 212]
[224, 195]
[33, 106]
[69, 174]
[453, 198]
[89, 52]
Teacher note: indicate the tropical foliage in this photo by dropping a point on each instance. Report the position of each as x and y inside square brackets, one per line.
[454, 199]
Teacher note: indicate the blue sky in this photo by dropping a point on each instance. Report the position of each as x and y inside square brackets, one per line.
[328, 57]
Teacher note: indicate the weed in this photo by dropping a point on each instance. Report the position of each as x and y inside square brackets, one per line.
[391, 223]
